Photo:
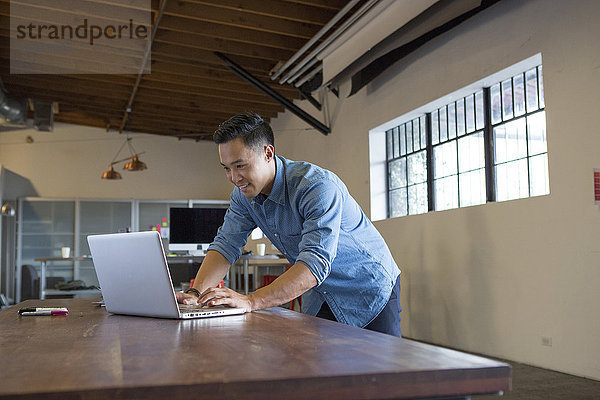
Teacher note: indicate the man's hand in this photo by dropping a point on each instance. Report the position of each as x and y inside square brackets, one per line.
[225, 296]
[187, 298]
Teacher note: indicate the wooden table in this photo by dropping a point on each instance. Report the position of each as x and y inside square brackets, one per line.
[272, 354]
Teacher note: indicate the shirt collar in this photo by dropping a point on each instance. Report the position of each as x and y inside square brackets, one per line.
[278, 191]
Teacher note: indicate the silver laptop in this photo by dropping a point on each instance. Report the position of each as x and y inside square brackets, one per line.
[134, 278]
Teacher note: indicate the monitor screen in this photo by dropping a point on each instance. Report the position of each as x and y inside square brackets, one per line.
[195, 225]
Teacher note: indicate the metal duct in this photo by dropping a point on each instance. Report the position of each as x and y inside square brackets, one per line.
[13, 110]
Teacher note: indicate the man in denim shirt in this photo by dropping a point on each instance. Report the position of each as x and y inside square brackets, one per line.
[340, 263]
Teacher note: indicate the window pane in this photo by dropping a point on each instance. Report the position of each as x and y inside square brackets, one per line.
[471, 152]
[402, 134]
[390, 144]
[451, 120]
[103, 217]
[396, 143]
[444, 159]
[435, 132]
[416, 135]
[409, 138]
[531, 89]
[538, 173]
[460, 117]
[519, 86]
[507, 100]
[495, 100]
[446, 193]
[510, 141]
[417, 168]
[470, 113]
[479, 114]
[417, 199]
[397, 171]
[398, 205]
[512, 181]
[422, 122]
[541, 91]
[472, 188]
[443, 125]
[536, 129]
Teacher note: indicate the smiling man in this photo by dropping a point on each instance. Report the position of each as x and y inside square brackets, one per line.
[340, 263]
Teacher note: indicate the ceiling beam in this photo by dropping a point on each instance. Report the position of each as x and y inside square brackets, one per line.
[240, 19]
[234, 33]
[273, 8]
[189, 105]
[318, 125]
[227, 46]
[206, 57]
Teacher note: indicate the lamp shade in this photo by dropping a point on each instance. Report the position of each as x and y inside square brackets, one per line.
[111, 174]
[135, 164]
[8, 210]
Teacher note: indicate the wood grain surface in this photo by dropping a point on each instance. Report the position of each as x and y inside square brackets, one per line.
[271, 354]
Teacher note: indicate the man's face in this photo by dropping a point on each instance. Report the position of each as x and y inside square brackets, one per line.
[253, 171]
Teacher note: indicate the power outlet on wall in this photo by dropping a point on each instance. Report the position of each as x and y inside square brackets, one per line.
[546, 341]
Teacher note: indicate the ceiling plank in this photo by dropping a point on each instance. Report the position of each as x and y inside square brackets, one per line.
[62, 12]
[201, 12]
[236, 86]
[243, 35]
[150, 111]
[277, 9]
[222, 45]
[122, 91]
[328, 4]
[63, 62]
[186, 104]
[207, 57]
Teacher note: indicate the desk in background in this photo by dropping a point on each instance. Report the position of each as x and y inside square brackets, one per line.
[270, 354]
[240, 267]
[44, 270]
[255, 262]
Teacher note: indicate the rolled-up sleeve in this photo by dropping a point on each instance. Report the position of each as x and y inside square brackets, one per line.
[321, 206]
[234, 232]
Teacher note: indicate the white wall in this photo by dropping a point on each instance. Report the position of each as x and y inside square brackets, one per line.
[495, 278]
[70, 161]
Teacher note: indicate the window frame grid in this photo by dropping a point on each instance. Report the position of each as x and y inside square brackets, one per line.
[406, 155]
[488, 137]
[525, 116]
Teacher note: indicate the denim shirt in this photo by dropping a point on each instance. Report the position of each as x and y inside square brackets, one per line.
[311, 218]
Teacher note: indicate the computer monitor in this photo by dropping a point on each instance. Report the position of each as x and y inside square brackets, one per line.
[193, 229]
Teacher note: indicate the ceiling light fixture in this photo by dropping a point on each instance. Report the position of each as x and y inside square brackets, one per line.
[133, 162]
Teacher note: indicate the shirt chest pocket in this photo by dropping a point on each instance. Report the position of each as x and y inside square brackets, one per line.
[290, 243]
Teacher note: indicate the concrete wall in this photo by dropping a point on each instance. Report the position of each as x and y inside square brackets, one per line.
[70, 161]
[497, 278]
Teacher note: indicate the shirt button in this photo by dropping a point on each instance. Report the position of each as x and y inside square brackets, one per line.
[324, 292]
[276, 235]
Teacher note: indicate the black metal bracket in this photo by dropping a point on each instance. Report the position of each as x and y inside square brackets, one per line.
[241, 72]
[311, 100]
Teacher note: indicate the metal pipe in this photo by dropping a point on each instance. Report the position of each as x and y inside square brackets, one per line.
[330, 39]
[303, 70]
[309, 76]
[315, 38]
[274, 95]
[143, 66]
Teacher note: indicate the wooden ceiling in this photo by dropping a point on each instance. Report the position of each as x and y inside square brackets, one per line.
[189, 90]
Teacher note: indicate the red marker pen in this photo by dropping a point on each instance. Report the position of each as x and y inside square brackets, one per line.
[43, 311]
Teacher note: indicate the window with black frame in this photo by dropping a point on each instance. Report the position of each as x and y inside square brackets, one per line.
[508, 119]
[407, 168]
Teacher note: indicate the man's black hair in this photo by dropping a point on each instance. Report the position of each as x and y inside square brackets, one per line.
[250, 126]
